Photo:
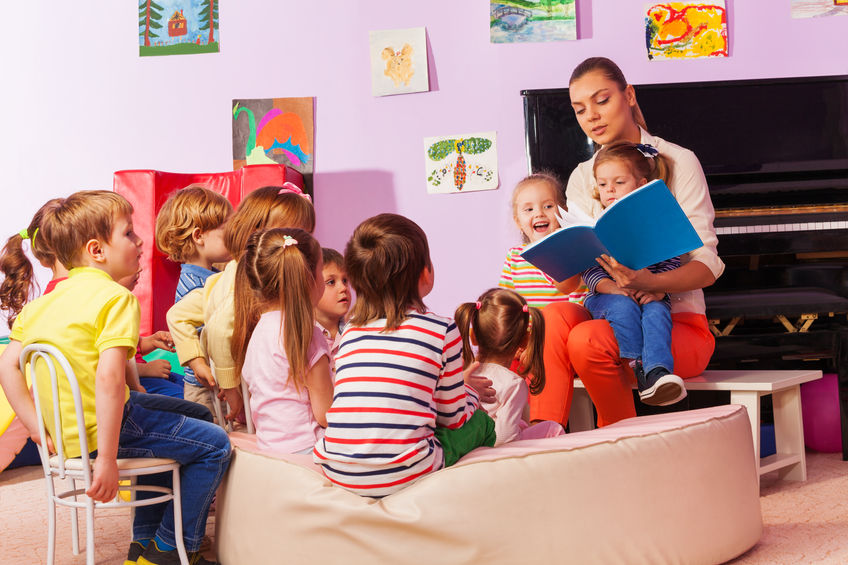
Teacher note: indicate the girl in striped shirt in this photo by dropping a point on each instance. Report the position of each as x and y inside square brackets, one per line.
[534, 207]
[401, 408]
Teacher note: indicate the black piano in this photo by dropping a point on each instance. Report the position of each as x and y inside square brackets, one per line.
[775, 153]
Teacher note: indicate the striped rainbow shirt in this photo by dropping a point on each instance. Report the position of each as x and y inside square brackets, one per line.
[392, 389]
[537, 288]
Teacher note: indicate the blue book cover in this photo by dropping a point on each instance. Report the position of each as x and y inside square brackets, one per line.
[642, 228]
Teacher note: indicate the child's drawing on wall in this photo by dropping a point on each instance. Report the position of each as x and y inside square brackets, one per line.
[177, 27]
[399, 61]
[461, 163]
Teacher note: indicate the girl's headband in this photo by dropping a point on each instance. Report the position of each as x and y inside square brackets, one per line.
[290, 187]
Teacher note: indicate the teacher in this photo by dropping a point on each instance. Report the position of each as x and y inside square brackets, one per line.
[606, 109]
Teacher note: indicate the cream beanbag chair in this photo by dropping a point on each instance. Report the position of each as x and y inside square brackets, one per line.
[674, 488]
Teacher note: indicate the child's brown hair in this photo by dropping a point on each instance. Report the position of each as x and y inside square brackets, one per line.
[644, 161]
[545, 176]
[18, 282]
[332, 257]
[503, 323]
[194, 207]
[384, 260]
[270, 206]
[70, 223]
[277, 271]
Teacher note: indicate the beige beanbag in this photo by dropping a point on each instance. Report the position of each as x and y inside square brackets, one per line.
[674, 488]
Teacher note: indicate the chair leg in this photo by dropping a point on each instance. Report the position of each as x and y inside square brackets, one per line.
[178, 518]
[89, 532]
[74, 521]
[51, 521]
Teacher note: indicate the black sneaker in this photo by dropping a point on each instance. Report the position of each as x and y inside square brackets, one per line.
[659, 387]
[153, 556]
[136, 549]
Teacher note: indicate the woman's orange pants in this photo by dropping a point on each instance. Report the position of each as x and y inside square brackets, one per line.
[576, 344]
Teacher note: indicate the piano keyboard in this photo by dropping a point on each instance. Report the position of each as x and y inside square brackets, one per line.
[774, 228]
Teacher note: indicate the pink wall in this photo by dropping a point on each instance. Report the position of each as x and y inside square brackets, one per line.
[79, 103]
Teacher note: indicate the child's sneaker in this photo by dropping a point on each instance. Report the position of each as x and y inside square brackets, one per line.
[136, 549]
[659, 387]
[153, 556]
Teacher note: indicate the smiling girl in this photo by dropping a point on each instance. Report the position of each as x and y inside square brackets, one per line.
[534, 206]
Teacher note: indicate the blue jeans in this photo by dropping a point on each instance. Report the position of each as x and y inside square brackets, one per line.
[170, 404]
[172, 386]
[203, 451]
[643, 331]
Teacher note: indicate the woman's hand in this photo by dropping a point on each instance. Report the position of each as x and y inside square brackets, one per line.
[624, 276]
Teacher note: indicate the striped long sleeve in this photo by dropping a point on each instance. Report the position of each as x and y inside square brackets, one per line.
[537, 288]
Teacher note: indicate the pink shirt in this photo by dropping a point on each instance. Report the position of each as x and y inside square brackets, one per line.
[282, 414]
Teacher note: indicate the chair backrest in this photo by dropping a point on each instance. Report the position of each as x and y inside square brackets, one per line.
[52, 356]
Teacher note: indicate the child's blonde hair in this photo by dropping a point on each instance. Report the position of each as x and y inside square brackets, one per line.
[68, 224]
[18, 281]
[277, 270]
[644, 161]
[270, 206]
[547, 177]
[384, 260]
[185, 210]
[503, 323]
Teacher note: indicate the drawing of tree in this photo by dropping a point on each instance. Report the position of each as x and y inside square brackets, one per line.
[208, 17]
[149, 15]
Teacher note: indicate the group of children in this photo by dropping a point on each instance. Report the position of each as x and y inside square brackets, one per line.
[381, 395]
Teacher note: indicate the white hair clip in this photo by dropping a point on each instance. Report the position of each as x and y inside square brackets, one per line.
[288, 240]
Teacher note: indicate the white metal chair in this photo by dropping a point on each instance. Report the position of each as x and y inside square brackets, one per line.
[219, 410]
[80, 469]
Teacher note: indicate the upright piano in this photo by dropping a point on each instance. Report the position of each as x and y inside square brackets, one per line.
[775, 154]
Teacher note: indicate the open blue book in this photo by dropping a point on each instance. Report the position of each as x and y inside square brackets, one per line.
[642, 228]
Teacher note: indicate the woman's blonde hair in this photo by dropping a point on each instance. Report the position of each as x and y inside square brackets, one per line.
[267, 207]
[503, 323]
[185, 210]
[384, 260]
[277, 271]
[18, 282]
[612, 72]
[544, 176]
[644, 161]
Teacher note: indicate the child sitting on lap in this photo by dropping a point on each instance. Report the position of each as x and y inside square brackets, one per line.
[640, 320]
[400, 408]
[190, 231]
[331, 310]
[280, 352]
[94, 321]
[506, 330]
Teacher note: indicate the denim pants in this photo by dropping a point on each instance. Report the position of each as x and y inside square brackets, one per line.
[172, 386]
[643, 331]
[203, 451]
[170, 404]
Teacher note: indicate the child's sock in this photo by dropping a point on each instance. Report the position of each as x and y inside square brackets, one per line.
[162, 545]
[143, 542]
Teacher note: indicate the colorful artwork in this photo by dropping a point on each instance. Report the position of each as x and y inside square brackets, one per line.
[399, 61]
[686, 30]
[177, 27]
[514, 21]
[274, 130]
[819, 8]
[461, 163]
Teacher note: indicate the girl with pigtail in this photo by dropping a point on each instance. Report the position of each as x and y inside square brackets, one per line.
[19, 285]
[509, 335]
[279, 351]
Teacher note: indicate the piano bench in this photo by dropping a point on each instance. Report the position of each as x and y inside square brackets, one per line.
[746, 387]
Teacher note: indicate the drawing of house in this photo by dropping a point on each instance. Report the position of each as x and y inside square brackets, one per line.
[177, 24]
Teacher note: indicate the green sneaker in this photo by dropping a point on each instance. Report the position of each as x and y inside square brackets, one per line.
[154, 556]
[136, 549]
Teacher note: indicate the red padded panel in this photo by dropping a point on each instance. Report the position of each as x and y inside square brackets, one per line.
[147, 190]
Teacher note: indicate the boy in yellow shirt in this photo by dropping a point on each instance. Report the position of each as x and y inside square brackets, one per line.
[94, 321]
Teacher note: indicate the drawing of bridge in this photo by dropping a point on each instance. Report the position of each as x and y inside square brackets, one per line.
[511, 16]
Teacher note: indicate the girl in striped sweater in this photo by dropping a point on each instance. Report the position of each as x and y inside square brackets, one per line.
[401, 408]
[534, 207]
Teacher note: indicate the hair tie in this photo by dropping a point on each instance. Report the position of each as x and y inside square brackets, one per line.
[24, 234]
[647, 150]
[478, 304]
[288, 240]
[525, 308]
[291, 188]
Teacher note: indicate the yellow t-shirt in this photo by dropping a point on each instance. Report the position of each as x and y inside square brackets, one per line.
[83, 316]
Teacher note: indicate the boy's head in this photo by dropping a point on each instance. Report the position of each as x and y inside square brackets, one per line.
[335, 302]
[93, 228]
[388, 262]
[189, 226]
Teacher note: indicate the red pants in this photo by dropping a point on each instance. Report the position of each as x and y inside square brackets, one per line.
[576, 344]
